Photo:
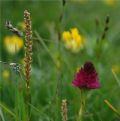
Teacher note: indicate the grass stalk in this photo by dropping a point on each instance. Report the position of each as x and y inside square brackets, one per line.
[28, 58]
[64, 110]
[112, 107]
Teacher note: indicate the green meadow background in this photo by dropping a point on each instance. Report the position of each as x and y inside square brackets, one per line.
[48, 51]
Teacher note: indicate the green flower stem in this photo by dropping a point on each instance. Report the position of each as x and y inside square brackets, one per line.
[82, 105]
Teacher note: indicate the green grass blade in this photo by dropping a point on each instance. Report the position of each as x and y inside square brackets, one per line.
[7, 110]
[116, 77]
[1, 115]
[45, 47]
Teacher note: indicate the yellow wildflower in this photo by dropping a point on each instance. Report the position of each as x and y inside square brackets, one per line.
[73, 40]
[110, 2]
[13, 44]
[6, 74]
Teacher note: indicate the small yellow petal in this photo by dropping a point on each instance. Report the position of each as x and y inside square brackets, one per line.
[66, 36]
[77, 69]
[75, 47]
[74, 33]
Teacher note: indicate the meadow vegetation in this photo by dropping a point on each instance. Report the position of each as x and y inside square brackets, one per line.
[60, 60]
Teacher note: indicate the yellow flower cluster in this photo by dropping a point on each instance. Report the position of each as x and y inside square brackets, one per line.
[6, 74]
[13, 44]
[110, 2]
[73, 40]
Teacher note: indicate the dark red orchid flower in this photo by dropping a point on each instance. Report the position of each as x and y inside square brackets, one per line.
[87, 77]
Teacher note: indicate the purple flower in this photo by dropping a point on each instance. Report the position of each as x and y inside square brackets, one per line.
[87, 77]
